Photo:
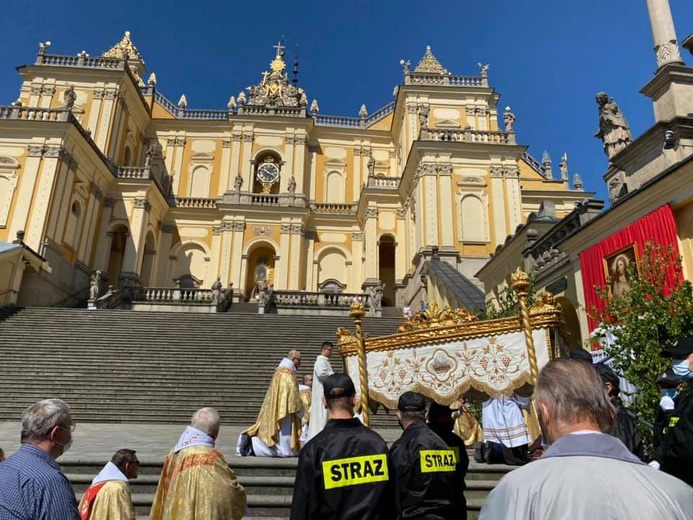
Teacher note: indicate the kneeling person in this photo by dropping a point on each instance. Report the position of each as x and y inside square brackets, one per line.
[342, 471]
[424, 467]
[108, 497]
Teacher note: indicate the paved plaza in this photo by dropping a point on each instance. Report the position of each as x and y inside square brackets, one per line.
[98, 441]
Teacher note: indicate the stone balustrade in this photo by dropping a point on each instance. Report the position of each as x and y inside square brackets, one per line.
[34, 113]
[422, 78]
[380, 113]
[194, 202]
[209, 115]
[165, 102]
[110, 300]
[535, 164]
[178, 295]
[466, 136]
[162, 181]
[251, 110]
[260, 199]
[93, 62]
[325, 120]
[383, 181]
[333, 208]
[297, 299]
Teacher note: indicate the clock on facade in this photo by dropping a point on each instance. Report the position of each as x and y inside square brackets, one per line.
[268, 173]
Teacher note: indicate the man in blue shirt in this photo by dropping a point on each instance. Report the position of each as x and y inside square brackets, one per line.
[32, 486]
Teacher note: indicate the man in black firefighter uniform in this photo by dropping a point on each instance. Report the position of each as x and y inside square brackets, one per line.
[423, 467]
[343, 472]
[675, 454]
[441, 422]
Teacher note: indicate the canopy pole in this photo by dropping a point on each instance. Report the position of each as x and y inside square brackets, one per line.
[357, 312]
[520, 283]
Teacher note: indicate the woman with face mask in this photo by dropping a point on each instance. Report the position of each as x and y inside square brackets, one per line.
[675, 453]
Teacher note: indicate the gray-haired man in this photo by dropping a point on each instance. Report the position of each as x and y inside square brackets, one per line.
[32, 486]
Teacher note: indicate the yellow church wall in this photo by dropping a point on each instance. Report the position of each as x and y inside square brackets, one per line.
[159, 112]
[384, 124]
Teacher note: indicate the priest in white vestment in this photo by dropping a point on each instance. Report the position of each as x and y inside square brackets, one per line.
[504, 424]
[322, 369]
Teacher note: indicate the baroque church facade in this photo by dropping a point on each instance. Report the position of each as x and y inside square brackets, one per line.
[99, 171]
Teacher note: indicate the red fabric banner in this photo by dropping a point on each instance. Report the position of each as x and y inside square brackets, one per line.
[611, 254]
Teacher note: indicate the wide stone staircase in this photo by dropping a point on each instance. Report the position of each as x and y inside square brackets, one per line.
[156, 367]
[268, 484]
[116, 366]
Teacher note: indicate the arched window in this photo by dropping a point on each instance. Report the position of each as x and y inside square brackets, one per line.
[473, 216]
[334, 188]
[199, 183]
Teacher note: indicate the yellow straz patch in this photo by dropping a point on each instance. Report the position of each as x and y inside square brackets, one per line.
[434, 461]
[355, 470]
[673, 421]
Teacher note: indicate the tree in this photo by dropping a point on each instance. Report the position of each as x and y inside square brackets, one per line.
[645, 320]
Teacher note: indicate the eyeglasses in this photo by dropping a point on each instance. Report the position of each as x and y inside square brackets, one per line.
[70, 428]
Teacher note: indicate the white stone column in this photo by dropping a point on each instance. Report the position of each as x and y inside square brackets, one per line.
[235, 166]
[215, 265]
[295, 260]
[225, 172]
[371, 238]
[500, 230]
[162, 256]
[246, 161]
[356, 180]
[357, 276]
[482, 114]
[178, 145]
[666, 45]
[239, 261]
[313, 172]
[446, 209]
[95, 110]
[288, 166]
[102, 130]
[514, 197]
[430, 193]
[402, 256]
[299, 161]
[281, 264]
[471, 116]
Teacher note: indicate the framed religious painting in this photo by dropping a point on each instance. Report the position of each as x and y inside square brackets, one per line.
[619, 268]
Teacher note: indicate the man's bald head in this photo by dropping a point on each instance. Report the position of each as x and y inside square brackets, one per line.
[295, 356]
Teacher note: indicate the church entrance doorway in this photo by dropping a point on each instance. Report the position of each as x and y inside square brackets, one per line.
[260, 270]
[386, 268]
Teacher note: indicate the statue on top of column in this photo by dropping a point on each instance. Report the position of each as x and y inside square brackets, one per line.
[613, 127]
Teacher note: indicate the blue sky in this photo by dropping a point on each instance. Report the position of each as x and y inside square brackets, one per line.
[548, 58]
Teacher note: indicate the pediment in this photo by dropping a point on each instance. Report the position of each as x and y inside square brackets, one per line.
[471, 181]
[202, 157]
[447, 123]
[335, 163]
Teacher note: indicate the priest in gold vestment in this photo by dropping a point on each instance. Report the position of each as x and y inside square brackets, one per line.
[108, 497]
[196, 482]
[306, 391]
[278, 428]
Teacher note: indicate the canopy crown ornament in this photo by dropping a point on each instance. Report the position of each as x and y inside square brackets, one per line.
[435, 317]
[519, 281]
[275, 89]
[429, 64]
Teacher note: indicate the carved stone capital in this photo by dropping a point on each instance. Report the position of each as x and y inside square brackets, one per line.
[512, 171]
[425, 169]
[34, 150]
[143, 204]
[289, 140]
[238, 226]
[357, 151]
[285, 228]
[393, 153]
[95, 191]
[481, 111]
[36, 90]
[48, 90]
[56, 152]
[412, 109]
[445, 169]
[226, 144]
[236, 138]
[168, 228]
[248, 137]
[471, 110]
[171, 141]
[216, 230]
[301, 140]
[357, 236]
[401, 213]
[111, 93]
[496, 172]
[297, 229]
[371, 212]
[667, 53]
[99, 93]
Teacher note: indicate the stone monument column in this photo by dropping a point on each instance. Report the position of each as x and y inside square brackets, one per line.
[664, 34]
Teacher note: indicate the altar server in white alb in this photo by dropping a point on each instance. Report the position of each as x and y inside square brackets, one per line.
[322, 369]
[505, 426]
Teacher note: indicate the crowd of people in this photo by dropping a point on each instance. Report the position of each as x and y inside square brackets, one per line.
[591, 465]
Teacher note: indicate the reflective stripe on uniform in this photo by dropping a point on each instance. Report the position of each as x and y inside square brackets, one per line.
[435, 461]
[355, 470]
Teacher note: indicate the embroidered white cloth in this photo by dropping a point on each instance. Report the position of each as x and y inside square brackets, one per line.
[193, 437]
[503, 421]
[109, 472]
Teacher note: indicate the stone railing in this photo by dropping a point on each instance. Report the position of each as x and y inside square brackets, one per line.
[34, 113]
[333, 208]
[380, 113]
[536, 165]
[172, 295]
[166, 103]
[193, 202]
[252, 110]
[317, 299]
[210, 115]
[110, 300]
[383, 181]
[419, 78]
[353, 122]
[145, 173]
[95, 62]
[258, 199]
[466, 136]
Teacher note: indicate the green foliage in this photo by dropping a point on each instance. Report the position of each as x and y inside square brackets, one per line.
[647, 319]
[507, 305]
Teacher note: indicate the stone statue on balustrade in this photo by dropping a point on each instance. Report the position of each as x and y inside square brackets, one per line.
[261, 291]
[376, 295]
[371, 165]
[483, 69]
[94, 288]
[148, 157]
[614, 130]
[216, 290]
[69, 97]
[238, 182]
[291, 186]
[509, 120]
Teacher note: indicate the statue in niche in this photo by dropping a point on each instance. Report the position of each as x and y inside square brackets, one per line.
[291, 186]
[509, 120]
[238, 182]
[371, 165]
[613, 127]
[69, 97]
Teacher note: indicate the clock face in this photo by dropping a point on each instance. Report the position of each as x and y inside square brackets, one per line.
[268, 172]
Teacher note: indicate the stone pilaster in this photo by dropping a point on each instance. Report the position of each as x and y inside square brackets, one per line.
[371, 243]
[500, 230]
[164, 264]
[239, 261]
[666, 45]
[225, 173]
[247, 161]
[446, 207]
